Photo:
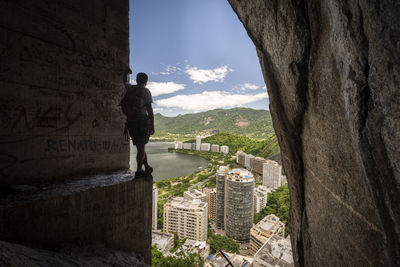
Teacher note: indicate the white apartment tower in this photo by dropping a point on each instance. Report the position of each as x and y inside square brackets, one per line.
[260, 198]
[178, 145]
[215, 148]
[154, 208]
[205, 147]
[187, 218]
[187, 146]
[248, 159]
[224, 149]
[198, 142]
[272, 174]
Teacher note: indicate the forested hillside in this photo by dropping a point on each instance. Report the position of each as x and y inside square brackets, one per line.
[240, 121]
[264, 148]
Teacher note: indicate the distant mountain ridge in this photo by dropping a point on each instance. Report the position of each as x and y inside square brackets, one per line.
[240, 121]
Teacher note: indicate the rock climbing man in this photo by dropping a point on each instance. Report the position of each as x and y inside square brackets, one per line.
[136, 105]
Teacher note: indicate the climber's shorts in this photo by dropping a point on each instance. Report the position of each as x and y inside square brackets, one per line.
[139, 130]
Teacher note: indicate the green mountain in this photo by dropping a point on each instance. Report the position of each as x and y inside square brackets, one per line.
[240, 121]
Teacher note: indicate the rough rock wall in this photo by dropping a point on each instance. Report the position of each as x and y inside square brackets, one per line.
[333, 77]
[61, 82]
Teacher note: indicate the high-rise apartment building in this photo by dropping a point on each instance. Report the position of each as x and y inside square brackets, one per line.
[252, 162]
[195, 194]
[198, 143]
[240, 157]
[239, 197]
[178, 145]
[258, 164]
[237, 156]
[248, 160]
[215, 148]
[187, 146]
[187, 218]
[205, 147]
[220, 181]
[154, 208]
[272, 174]
[260, 198]
[263, 230]
[224, 149]
[211, 194]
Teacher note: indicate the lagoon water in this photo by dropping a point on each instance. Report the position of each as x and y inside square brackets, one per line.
[166, 164]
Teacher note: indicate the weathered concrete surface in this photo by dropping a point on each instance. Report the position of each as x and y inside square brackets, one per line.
[15, 255]
[333, 77]
[113, 210]
[60, 86]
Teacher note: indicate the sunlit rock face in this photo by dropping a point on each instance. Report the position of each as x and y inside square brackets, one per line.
[333, 78]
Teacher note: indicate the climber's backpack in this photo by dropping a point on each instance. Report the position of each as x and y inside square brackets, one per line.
[131, 103]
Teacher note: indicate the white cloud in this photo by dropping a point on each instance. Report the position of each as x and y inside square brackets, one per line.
[170, 70]
[209, 100]
[249, 86]
[158, 109]
[201, 76]
[162, 88]
[245, 86]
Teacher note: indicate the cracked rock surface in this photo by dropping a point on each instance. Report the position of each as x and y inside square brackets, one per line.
[18, 255]
[333, 77]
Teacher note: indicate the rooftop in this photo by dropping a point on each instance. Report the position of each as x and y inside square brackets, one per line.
[271, 162]
[194, 244]
[276, 251]
[194, 193]
[218, 260]
[182, 203]
[160, 239]
[240, 175]
[271, 224]
[261, 189]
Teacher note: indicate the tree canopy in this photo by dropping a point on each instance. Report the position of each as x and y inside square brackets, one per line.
[158, 259]
[278, 203]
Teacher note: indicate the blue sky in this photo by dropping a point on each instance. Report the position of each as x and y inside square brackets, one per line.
[197, 54]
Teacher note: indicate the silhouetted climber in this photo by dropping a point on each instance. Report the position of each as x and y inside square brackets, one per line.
[136, 105]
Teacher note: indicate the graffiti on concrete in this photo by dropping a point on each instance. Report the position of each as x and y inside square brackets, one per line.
[20, 120]
[86, 145]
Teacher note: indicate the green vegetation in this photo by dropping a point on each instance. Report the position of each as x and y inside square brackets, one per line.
[158, 259]
[264, 148]
[175, 186]
[241, 121]
[224, 243]
[212, 183]
[278, 203]
[160, 213]
[177, 243]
